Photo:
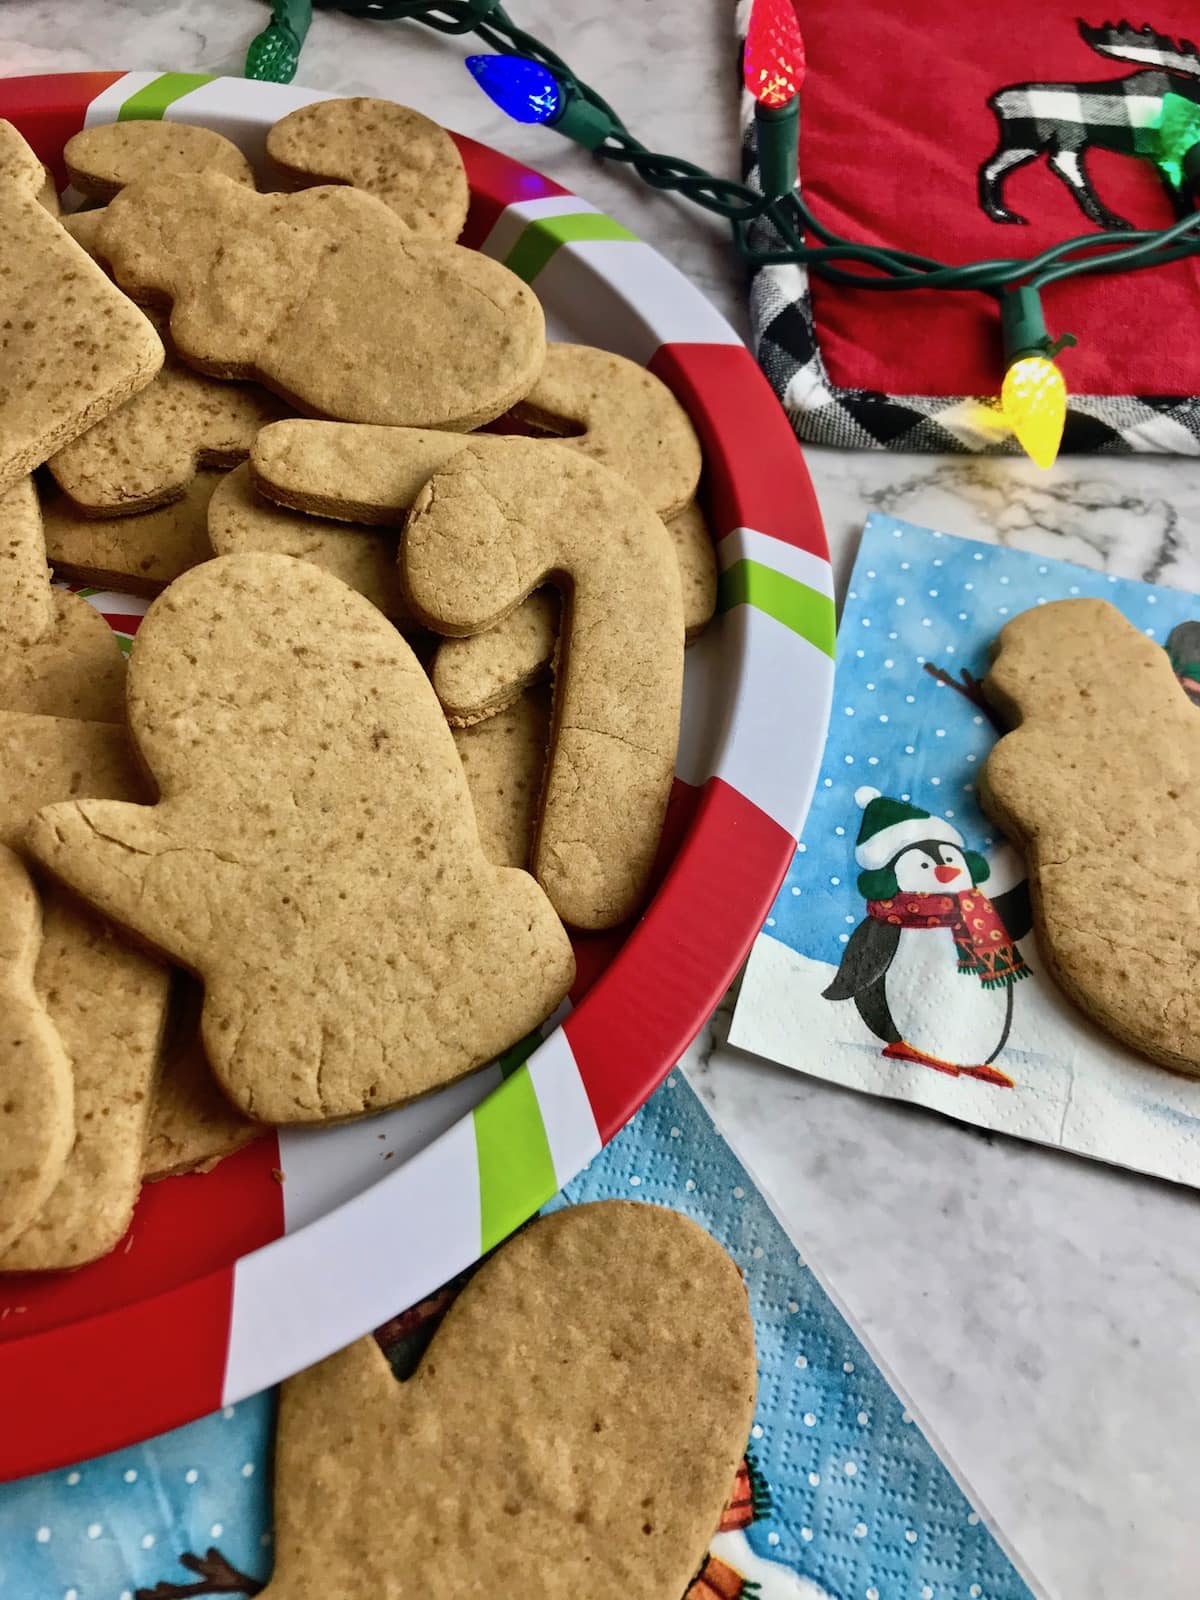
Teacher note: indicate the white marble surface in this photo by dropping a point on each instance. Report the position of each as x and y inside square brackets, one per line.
[1043, 1314]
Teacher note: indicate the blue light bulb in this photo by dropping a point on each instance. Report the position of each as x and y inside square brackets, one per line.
[524, 89]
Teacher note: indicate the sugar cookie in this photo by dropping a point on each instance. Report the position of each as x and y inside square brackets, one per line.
[498, 521]
[72, 347]
[402, 158]
[148, 451]
[37, 1110]
[192, 1125]
[477, 676]
[350, 471]
[240, 521]
[106, 1000]
[504, 758]
[577, 1420]
[139, 554]
[1098, 785]
[84, 227]
[313, 857]
[100, 161]
[275, 287]
[621, 415]
[58, 656]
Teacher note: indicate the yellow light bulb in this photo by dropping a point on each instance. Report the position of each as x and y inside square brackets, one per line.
[1033, 399]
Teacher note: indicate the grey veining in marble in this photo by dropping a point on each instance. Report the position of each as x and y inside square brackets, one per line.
[1042, 1313]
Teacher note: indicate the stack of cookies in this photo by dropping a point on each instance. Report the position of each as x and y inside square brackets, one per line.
[406, 706]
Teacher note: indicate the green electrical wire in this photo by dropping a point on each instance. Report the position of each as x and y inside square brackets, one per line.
[772, 231]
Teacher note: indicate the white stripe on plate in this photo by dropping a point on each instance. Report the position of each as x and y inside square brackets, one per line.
[243, 110]
[323, 1167]
[757, 707]
[750, 545]
[122, 605]
[310, 1293]
[514, 219]
[566, 1111]
[629, 298]
[109, 101]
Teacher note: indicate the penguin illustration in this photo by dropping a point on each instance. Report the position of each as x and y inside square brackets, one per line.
[928, 931]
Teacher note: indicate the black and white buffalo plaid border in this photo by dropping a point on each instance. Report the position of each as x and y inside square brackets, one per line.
[785, 342]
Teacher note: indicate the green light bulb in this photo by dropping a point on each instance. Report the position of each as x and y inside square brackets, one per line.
[1176, 132]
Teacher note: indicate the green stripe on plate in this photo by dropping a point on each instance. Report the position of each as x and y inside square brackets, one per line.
[149, 103]
[545, 236]
[805, 611]
[516, 1172]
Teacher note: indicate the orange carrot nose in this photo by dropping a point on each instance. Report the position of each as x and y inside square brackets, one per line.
[945, 874]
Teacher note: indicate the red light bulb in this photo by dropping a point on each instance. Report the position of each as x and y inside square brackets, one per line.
[773, 60]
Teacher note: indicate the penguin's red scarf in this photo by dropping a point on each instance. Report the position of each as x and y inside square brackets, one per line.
[980, 937]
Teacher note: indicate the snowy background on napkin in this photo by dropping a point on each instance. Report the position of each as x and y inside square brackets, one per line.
[853, 1503]
[918, 597]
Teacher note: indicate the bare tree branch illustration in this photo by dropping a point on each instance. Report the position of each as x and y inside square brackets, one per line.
[215, 1574]
[969, 686]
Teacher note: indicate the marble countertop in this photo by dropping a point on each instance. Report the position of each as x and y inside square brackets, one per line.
[1041, 1313]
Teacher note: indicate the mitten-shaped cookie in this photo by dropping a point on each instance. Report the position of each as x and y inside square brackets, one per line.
[106, 1000]
[37, 1116]
[503, 518]
[391, 151]
[313, 856]
[327, 298]
[573, 1429]
[72, 347]
[58, 656]
[1099, 785]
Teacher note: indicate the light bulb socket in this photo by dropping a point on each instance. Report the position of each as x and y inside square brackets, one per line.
[1022, 324]
[777, 130]
[580, 121]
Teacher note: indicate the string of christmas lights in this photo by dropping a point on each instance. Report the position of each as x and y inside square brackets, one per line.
[533, 84]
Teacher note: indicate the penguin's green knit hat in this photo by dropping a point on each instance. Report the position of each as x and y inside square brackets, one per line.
[889, 825]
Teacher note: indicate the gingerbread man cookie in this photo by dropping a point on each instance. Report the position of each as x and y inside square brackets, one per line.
[404, 159]
[273, 287]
